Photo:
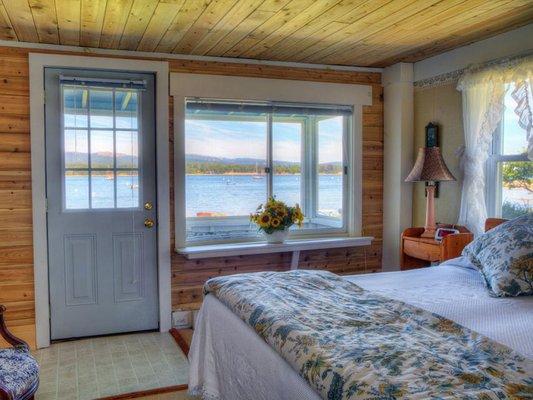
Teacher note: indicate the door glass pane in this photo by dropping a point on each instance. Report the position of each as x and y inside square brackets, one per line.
[102, 149]
[127, 189]
[101, 153]
[330, 167]
[126, 109]
[225, 161]
[102, 189]
[76, 149]
[127, 149]
[76, 190]
[101, 108]
[516, 179]
[75, 107]
[286, 155]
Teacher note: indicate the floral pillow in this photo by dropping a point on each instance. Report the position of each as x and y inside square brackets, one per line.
[504, 256]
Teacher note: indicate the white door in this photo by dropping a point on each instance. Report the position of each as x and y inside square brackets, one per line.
[101, 202]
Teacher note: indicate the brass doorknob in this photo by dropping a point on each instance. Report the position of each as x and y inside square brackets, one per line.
[149, 223]
[148, 205]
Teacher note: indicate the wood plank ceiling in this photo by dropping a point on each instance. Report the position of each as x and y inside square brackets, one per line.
[373, 33]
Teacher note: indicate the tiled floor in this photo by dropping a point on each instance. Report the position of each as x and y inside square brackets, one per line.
[92, 368]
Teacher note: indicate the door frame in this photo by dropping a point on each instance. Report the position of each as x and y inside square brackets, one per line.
[37, 63]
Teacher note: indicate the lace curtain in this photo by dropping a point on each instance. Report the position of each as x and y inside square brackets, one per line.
[483, 92]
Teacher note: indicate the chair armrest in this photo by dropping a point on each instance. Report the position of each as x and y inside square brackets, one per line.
[8, 336]
[453, 245]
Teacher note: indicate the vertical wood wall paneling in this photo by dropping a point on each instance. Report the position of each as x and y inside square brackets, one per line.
[188, 276]
[16, 251]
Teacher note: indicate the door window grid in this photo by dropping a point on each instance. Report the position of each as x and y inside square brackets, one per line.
[90, 171]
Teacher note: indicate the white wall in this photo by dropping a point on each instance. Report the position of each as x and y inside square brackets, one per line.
[398, 158]
[512, 43]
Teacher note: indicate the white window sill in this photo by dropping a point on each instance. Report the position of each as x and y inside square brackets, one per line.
[294, 246]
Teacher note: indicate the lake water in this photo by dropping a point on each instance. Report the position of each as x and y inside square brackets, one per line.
[241, 194]
[102, 188]
[232, 195]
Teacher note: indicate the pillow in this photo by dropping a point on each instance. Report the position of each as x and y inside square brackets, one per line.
[504, 256]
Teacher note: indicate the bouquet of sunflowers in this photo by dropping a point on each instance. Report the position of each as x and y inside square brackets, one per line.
[275, 216]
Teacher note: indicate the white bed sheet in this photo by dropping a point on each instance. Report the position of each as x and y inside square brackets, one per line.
[229, 361]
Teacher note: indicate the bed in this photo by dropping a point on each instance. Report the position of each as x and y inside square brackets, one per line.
[229, 360]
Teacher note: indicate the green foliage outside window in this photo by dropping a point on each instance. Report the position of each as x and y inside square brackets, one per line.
[518, 175]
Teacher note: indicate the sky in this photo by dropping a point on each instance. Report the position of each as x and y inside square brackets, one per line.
[514, 138]
[236, 139]
[76, 118]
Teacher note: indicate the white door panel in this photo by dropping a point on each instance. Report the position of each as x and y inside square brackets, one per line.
[100, 171]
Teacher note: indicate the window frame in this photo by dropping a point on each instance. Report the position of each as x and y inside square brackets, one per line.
[187, 84]
[309, 178]
[493, 181]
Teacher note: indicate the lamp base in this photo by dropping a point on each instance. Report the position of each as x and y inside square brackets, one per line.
[430, 226]
[429, 233]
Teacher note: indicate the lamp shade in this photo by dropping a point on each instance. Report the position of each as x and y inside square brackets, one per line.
[429, 166]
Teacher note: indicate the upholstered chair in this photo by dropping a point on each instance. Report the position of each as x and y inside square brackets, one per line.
[19, 372]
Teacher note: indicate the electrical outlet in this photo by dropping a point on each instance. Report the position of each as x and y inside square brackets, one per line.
[181, 319]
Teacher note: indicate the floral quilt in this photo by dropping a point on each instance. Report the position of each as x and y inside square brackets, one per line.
[350, 343]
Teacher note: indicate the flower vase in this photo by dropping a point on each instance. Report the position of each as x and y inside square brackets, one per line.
[278, 236]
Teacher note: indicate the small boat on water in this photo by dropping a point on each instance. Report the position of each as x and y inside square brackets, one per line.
[257, 175]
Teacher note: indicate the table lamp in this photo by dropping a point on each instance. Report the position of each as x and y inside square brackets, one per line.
[430, 167]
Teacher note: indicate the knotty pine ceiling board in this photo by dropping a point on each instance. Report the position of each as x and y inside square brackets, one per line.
[373, 33]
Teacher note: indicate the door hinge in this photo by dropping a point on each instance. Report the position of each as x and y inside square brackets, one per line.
[345, 170]
[44, 96]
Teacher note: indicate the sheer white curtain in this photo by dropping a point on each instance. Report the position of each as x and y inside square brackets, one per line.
[483, 92]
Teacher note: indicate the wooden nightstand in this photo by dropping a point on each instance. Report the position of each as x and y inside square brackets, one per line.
[416, 252]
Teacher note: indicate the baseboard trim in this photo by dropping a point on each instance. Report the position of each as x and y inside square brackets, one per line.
[182, 343]
[144, 393]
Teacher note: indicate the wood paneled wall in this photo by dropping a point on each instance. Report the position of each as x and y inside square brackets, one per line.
[16, 252]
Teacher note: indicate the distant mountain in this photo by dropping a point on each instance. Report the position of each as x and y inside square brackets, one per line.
[101, 159]
[198, 158]
[223, 160]
[196, 161]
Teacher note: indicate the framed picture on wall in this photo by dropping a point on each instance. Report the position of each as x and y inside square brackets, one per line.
[432, 135]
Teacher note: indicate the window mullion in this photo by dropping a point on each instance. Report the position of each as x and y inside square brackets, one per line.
[270, 168]
[115, 177]
[89, 135]
[312, 174]
[346, 209]
[306, 168]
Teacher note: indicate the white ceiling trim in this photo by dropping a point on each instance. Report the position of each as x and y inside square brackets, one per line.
[168, 56]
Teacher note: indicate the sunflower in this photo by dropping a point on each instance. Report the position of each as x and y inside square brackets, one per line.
[275, 222]
[281, 212]
[264, 219]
